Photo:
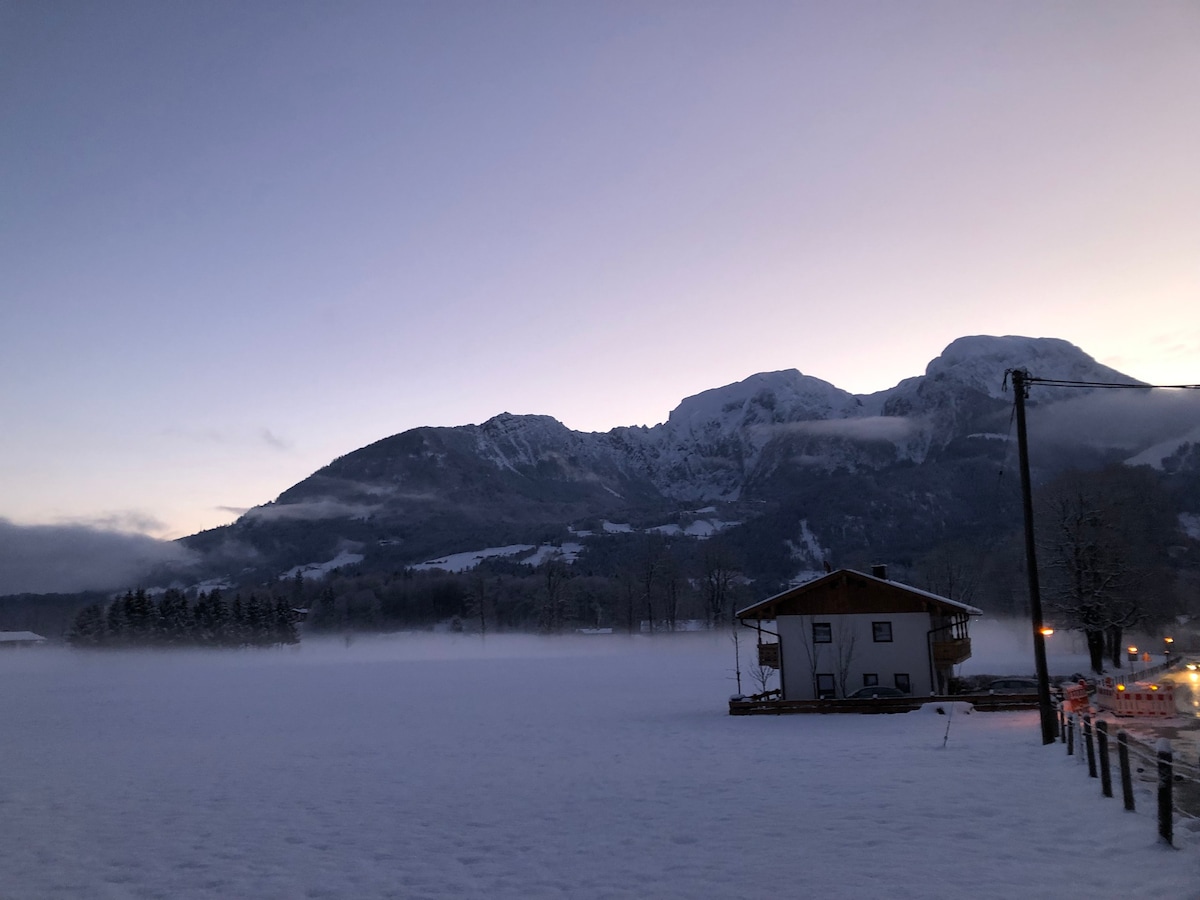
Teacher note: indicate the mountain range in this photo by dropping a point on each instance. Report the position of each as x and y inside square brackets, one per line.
[792, 470]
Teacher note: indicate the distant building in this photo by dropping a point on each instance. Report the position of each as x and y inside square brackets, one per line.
[848, 630]
[20, 639]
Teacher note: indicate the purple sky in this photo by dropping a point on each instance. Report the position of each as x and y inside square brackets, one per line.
[238, 240]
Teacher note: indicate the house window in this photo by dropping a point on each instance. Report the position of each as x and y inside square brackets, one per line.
[822, 633]
[903, 682]
[825, 689]
[870, 679]
[881, 632]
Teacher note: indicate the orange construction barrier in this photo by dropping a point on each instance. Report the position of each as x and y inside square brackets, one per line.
[1137, 699]
[1075, 698]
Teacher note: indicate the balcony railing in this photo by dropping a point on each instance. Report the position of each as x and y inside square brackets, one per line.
[951, 652]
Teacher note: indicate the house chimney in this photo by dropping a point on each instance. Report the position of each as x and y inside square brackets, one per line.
[879, 572]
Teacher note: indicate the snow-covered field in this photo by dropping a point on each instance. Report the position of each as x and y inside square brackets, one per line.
[522, 768]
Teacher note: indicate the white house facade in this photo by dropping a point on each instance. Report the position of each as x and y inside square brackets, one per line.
[849, 630]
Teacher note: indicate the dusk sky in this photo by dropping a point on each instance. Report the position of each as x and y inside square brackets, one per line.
[238, 240]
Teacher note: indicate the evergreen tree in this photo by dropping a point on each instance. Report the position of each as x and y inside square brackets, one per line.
[285, 624]
[114, 622]
[174, 618]
[88, 628]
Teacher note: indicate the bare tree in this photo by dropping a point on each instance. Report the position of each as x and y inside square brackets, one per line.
[554, 608]
[845, 637]
[629, 588]
[761, 676]
[649, 567]
[812, 649]
[479, 600]
[950, 570]
[672, 582]
[1108, 536]
[1090, 580]
[718, 579]
[737, 657]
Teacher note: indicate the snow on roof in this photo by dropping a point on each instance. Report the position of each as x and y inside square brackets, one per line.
[935, 598]
[13, 637]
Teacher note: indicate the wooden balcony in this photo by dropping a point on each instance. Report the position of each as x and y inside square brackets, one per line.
[768, 655]
[951, 652]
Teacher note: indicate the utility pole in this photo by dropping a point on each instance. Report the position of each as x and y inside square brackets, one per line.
[1020, 382]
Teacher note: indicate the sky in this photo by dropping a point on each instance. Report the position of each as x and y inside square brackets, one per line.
[240, 240]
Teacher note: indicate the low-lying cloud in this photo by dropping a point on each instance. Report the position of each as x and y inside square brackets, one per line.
[1117, 418]
[49, 559]
[311, 509]
[869, 428]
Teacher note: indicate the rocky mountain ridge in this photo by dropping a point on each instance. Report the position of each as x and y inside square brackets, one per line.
[802, 463]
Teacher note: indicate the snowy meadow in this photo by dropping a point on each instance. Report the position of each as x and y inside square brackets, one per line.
[516, 767]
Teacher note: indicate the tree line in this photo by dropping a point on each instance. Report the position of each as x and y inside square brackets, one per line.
[625, 583]
[1112, 554]
[172, 620]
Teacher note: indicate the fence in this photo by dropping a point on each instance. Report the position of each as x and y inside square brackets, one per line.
[1133, 758]
[1141, 674]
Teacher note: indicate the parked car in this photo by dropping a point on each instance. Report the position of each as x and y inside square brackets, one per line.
[875, 691]
[1013, 686]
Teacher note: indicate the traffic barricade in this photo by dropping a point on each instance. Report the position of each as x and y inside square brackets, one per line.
[1137, 699]
[1075, 698]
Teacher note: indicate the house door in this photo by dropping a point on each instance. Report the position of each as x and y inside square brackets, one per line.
[825, 688]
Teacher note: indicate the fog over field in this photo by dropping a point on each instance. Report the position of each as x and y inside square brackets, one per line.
[519, 767]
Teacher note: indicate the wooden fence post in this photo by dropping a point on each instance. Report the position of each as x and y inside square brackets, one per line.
[1071, 735]
[1091, 746]
[1105, 771]
[1126, 775]
[1166, 779]
[1062, 724]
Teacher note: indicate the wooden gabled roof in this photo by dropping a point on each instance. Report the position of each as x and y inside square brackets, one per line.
[847, 592]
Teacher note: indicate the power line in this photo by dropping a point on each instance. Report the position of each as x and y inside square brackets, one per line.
[1060, 382]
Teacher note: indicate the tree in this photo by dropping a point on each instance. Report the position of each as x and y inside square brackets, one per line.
[717, 579]
[845, 637]
[950, 570]
[284, 624]
[479, 600]
[553, 613]
[672, 583]
[649, 566]
[88, 628]
[114, 622]
[812, 649]
[761, 676]
[174, 617]
[1097, 535]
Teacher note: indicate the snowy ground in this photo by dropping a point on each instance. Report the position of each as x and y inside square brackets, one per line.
[523, 768]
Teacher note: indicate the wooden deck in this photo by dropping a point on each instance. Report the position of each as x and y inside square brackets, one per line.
[982, 703]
